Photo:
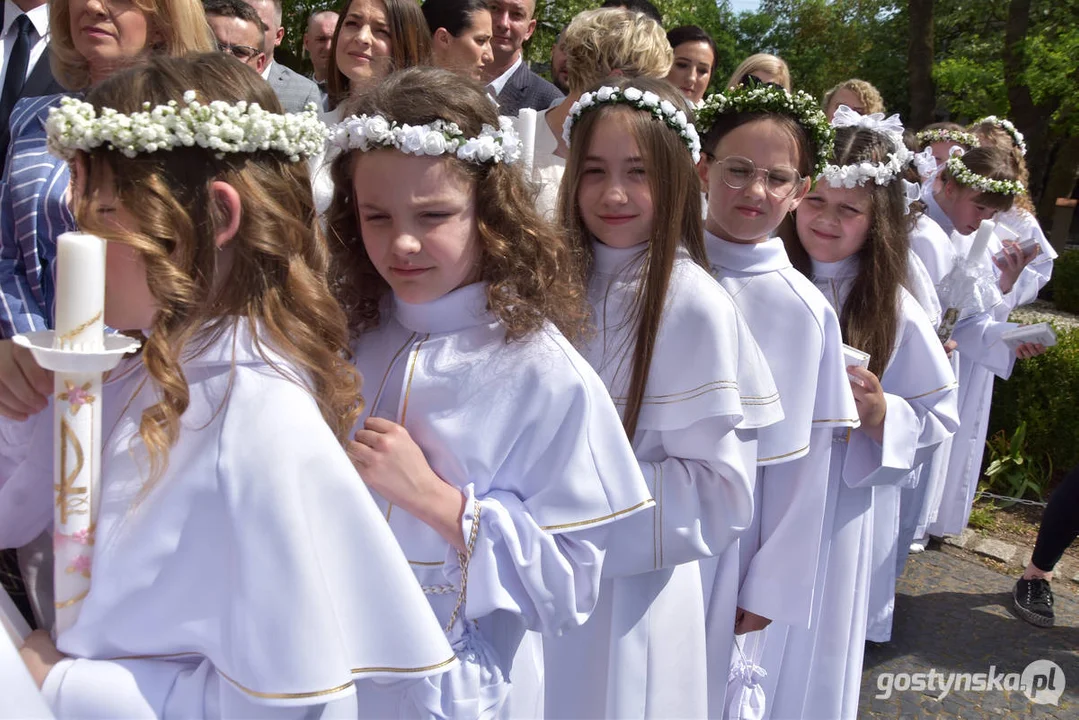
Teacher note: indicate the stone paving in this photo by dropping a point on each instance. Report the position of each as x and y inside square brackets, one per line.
[953, 614]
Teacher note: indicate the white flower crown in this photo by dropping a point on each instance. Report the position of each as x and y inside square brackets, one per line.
[220, 126]
[859, 174]
[968, 178]
[369, 132]
[1007, 126]
[959, 137]
[644, 100]
[769, 98]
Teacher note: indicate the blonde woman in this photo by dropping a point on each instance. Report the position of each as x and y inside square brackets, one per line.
[765, 68]
[597, 44]
[90, 40]
[858, 95]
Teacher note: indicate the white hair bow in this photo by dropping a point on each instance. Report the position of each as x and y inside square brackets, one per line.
[925, 163]
[845, 117]
[912, 192]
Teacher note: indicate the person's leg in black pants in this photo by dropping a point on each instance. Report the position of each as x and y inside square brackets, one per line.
[1033, 596]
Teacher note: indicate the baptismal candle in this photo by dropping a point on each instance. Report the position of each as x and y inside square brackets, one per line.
[80, 292]
[981, 241]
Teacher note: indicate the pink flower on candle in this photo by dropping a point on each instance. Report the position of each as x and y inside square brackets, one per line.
[81, 564]
[76, 396]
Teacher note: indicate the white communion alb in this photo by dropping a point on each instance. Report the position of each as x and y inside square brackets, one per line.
[642, 653]
[256, 577]
[526, 430]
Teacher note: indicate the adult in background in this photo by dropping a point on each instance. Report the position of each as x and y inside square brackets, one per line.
[89, 41]
[372, 39]
[598, 43]
[24, 44]
[460, 35]
[559, 73]
[765, 68]
[238, 29]
[858, 95]
[641, 6]
[510, 81]
[695, 56]
[292, 89]
[318, 41]
[1032, 596]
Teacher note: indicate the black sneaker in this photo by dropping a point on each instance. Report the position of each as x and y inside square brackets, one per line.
[1033, 601]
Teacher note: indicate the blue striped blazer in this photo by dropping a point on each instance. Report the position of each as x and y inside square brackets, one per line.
[33, 212]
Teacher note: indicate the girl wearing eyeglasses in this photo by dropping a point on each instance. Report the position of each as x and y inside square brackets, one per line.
[761, 148]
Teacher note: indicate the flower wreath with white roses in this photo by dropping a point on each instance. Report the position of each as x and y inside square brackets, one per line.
[223, 127]
[370, 132]
[800, 106]
[858, 174]
[968, 178]
[1007, 126]
[644, 100]
[936, 135]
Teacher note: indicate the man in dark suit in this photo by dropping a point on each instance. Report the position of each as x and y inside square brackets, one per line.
[293, 90]
[24, 52]
[509, 78]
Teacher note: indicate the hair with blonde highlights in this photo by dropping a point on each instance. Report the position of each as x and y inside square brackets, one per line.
[410, 43]
[530, 273]
[675, 188]
[762, 62]
[870, 316]
[867, 95]
[992, 135]
[278, 276]
[601, 42]
[180, 26]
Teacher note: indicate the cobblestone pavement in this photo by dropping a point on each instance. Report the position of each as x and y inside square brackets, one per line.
[953, 614]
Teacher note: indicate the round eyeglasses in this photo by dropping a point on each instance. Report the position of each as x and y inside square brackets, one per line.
[738, 172]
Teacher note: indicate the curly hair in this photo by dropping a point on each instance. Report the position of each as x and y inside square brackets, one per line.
[180, 24]
[870, 316]
[530, 273]
[278, 277]
[868, 95]
[992, 135]
[599, 42]
[675, 188]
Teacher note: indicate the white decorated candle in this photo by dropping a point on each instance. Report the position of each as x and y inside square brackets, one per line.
[526, 130]
[981, 241]
[80, 292]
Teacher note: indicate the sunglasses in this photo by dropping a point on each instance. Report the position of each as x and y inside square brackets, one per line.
[240, 52]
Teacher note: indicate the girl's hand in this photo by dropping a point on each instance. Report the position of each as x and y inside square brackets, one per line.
[40, 655]
[1029, 350]
[746, 622]
[950, 347]
[24, 386]
[869, 399]
[393, 465]
[1012, 264]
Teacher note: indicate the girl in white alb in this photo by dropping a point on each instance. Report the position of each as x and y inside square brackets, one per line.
[799, 333]
[497, 456]
[853, 245]
[692, 387]
[223, 574]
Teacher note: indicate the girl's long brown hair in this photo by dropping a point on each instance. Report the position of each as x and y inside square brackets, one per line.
[870, 316]
[410, 43]
[277, 280]
[676, 199]
[530, 273]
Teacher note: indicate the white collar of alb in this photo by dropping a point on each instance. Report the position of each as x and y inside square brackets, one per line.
[223, 127]
[370, 132]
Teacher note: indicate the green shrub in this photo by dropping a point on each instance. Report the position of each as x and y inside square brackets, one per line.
[1043, 394]
[1065, 282]
[1013, 472]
